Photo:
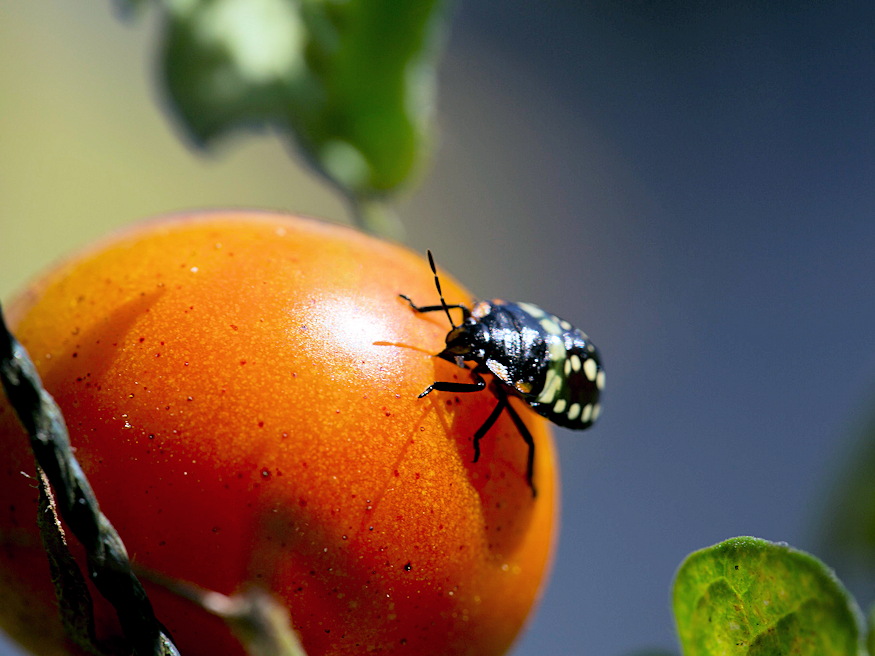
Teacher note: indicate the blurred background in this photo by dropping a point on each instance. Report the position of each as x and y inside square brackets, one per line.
[691, 183]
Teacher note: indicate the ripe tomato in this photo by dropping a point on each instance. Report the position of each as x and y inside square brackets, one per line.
[241, 389]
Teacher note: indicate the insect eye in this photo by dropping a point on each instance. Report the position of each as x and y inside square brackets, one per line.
[459, 340]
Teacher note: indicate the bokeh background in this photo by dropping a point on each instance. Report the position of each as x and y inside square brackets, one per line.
[691, 183]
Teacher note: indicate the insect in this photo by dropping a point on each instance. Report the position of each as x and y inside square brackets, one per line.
[531, 354]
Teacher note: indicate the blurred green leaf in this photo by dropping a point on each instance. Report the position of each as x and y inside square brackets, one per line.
[351, 81]
[753, 597]
[849, 522]
[870, 632]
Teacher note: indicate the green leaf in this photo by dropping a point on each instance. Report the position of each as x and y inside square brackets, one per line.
[757, 598]
[350, 81]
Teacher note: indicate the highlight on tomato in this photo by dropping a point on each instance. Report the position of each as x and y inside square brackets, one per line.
[242, 391]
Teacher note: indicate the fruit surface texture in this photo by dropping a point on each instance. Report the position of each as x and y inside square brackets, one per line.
[241, 390]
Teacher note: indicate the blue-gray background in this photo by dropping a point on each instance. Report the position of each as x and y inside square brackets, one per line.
[691, 183]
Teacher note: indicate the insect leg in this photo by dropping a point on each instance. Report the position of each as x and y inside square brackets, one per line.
[527, 437]
[447, 386]
[486, 425]
[431, 308]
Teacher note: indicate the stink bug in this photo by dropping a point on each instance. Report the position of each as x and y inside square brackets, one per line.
[531, 354]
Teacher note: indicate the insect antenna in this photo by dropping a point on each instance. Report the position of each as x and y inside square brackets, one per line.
[437, 283]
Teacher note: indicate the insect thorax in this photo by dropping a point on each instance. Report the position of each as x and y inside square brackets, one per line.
[514, 348]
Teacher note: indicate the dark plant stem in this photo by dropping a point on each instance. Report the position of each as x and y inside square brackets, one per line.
[108, 565]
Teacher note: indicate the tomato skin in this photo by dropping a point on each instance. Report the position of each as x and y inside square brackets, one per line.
[242, 390]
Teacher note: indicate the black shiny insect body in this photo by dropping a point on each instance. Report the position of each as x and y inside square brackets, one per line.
[550, 364]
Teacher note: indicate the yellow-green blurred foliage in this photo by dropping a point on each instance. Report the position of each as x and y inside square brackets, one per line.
[85, 143]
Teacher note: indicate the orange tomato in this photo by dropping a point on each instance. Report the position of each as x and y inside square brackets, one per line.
[241, 389]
